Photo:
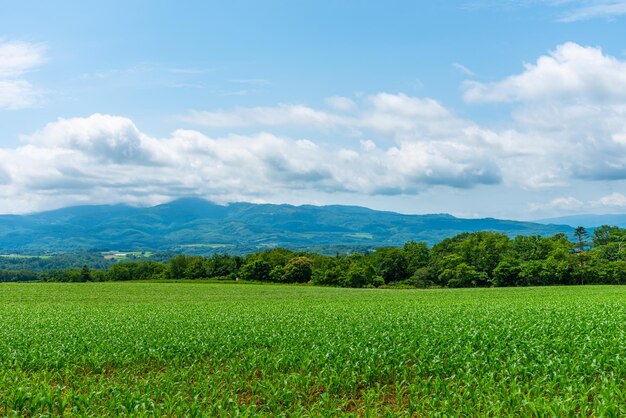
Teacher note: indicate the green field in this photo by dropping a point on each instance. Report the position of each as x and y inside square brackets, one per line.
[223, 349]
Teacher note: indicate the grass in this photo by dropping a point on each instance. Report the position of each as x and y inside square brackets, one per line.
[223, 349]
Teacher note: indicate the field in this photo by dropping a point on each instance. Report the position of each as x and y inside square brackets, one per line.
[226, 349]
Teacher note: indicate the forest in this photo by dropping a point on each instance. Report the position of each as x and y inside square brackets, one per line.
[479, 259]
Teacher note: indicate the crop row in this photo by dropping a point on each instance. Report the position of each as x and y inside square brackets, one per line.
[178, 349]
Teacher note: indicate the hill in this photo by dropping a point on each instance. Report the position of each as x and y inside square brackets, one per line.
[194, 225]
[587, 221]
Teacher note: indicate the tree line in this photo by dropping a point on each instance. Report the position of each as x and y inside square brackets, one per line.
[53, 261]
[478, 259]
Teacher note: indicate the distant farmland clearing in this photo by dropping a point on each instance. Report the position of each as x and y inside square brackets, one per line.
[176, 349]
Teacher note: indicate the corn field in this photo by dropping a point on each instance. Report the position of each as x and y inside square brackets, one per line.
[211, 349]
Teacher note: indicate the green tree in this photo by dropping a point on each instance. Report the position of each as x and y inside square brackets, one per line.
[617, 272]
[391, 264]
[557, 269]
[581, 235]
[177, 267]
[359, 275]
[298, 270]
[222, 265]
[532, 273]
[533, 247]
[194, 268]
[506, 273]
[257, 270]
[424, 277]
[463, 275]
[119, 272]
[85, 274]
[332, 275]
[417, 255]
[605, 234]
[277, 273]
[483, 251]
[274, 257]
[148, 270]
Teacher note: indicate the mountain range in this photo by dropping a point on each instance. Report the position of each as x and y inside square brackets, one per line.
[195, 225]
[588, 221]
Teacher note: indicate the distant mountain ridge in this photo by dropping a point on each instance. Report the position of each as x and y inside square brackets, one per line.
[195, 225]
[588, 221]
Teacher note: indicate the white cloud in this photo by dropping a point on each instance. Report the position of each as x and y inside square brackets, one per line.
[281, 115]
[573, 205]
[570, 72]
[567, 125]
[463, 69]
[341, 103]
[585, 140]
[613, 200]
[108, 156]
[405, 118]
[16, 59]
[431, 146]
[404, 105]
[251, 81]
[104, 137]
[591, 9]
[568, 203]
[384, 112]
[568, 11]
[556, 136]
[17, 94]
[569, 114]
[368, 145]
[564, 203]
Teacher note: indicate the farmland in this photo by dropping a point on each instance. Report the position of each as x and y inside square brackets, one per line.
[233, 348]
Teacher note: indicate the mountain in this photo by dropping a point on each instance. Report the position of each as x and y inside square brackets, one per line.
[198, 226]
[588, 221]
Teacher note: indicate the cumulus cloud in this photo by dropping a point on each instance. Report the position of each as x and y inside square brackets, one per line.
[104, 155]
[569, 112]
[566, 203]
[612, 200]
[79, 157]
[406, 118]
[103, 137]
[16, 59]
[585, 140]
[385, 113]
[571, 204]
[567, 125]
[569, 72]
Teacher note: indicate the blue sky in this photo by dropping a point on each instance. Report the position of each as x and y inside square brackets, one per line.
[512, 109]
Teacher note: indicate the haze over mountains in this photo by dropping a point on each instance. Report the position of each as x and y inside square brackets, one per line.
[198, 226]
[588, 221]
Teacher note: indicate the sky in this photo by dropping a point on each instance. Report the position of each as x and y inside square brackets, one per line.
[478, 108]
